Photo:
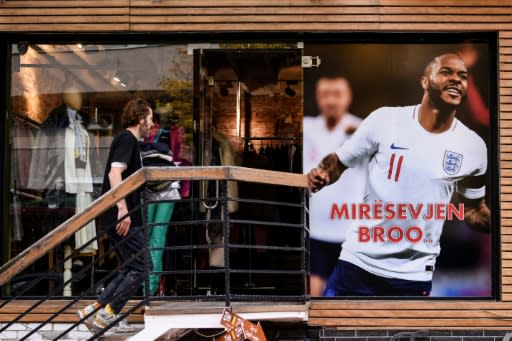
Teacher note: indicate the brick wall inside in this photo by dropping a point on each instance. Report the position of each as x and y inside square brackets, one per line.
[278, 115]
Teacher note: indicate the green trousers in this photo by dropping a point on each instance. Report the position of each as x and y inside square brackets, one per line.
[159, 215]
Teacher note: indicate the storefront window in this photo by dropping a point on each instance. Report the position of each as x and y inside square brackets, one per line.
[223, 104]
[66, 102]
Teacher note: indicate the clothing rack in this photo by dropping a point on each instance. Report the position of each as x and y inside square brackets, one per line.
[274, 138]
[27, 120]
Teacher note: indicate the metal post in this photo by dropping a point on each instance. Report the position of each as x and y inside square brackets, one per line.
[67, 271]
[305, 241]
[147, 258]
[225, 225]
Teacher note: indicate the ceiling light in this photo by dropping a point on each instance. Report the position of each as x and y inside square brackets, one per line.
[116, 79]
[123, 85]
[80, 46]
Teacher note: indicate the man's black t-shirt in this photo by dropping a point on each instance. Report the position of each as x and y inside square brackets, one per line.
[125, 149]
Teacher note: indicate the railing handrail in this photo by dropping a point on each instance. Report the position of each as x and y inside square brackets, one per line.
[37, 250]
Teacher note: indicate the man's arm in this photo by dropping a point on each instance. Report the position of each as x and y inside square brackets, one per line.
[471, 191]
[476, 214]
[328, 171]
[115, 178]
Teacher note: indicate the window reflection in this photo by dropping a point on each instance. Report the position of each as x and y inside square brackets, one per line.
[66, 102]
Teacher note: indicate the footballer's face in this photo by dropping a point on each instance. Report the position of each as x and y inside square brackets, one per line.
[333, 97]
[447, 82]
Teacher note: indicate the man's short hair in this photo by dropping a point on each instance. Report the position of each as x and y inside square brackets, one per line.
[135, 110]
[435, 60]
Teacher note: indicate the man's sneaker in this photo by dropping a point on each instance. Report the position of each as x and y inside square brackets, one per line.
[104, 319]
[82, 313]
[123, 326]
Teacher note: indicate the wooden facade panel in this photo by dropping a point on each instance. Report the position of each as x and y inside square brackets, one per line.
[503, 18]
[66, 19]
[320, 15]
[85, 27]
[451, 313]
[444, 3]
[8, 11]
[173, 10]
[504, 90]
[252, 18]
[253, 3]
[11, 311]
[414, 321]
[434, 10]
[247, 27]
[62, 16]
[409, 305]
[412, 25]
[50, 5]
[505, 149]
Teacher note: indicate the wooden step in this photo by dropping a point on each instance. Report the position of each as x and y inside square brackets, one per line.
[13, 309]
[187, 307]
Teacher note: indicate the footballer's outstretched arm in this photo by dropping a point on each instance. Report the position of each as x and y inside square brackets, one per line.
[476, 214]
[328, 171]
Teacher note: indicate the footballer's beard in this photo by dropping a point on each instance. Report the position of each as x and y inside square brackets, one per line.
[438, 102]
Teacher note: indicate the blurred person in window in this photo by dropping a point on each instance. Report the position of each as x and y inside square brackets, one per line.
[324, 134]
[475, 104]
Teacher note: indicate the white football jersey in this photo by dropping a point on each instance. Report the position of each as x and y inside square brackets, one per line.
[408, 165]
[318, 142]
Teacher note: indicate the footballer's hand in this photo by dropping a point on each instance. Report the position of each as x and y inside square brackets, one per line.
[317, 179]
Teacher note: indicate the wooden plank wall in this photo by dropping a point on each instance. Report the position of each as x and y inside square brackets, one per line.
[64, 15]
[321, 15]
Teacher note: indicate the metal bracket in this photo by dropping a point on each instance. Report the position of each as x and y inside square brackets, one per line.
[410, 335]
[310, 61]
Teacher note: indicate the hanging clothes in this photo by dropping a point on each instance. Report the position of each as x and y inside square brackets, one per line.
[62, 157]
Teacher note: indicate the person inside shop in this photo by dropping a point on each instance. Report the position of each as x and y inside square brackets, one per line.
[123, 222]
[157, 152]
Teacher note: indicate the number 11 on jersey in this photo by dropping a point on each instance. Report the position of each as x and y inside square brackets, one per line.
[394, 167]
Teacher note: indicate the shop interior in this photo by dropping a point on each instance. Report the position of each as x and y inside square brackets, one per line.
[249, 100]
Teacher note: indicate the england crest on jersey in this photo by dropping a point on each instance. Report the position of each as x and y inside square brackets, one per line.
[452, 162]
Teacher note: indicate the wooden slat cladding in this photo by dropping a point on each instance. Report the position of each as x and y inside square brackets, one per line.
[41, 313]
[252, 15]
[411, 314]
[354, 15]
[323, 15]
[505, 79]
[62, 16]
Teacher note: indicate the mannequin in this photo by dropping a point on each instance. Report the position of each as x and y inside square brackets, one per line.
[60, 166]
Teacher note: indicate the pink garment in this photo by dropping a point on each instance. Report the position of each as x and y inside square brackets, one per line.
[175, 140]
[153, 133]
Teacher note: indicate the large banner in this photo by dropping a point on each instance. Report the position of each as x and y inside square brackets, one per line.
[398, 151]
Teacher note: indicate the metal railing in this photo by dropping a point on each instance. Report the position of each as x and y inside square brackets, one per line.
[263, 246]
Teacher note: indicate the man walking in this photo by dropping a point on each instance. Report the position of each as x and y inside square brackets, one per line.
[123, 222]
